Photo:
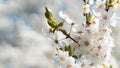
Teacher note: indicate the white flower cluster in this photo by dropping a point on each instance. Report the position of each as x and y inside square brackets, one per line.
[85, 45]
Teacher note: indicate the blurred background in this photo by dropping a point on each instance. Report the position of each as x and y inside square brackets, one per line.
[22, 32]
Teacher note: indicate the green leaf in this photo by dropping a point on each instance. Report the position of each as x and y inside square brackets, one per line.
[111, 1]
[60, 24]
[68, 48]
[52, 24]
[49, 14]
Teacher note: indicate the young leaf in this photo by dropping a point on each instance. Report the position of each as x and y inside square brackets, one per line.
[52, 24]
[68, 48]
[49, 14]
[60, 24]
[111, 1]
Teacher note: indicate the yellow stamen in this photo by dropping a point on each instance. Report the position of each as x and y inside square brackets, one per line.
[62, 59]
[104, 17]
[105, 30]
[92, 22]
[84, 9]
[104, 66]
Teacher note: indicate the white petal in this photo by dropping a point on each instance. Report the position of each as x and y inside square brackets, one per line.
[65, 17]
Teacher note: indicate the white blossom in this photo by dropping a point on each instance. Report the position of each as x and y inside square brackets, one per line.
[90, 41]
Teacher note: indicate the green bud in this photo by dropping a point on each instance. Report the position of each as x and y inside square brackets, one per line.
[107, 4]
[89, 16]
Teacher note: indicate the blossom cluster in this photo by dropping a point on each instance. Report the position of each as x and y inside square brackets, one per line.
[85, 44]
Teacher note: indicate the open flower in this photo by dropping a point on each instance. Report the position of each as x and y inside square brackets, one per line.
[89, 43]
